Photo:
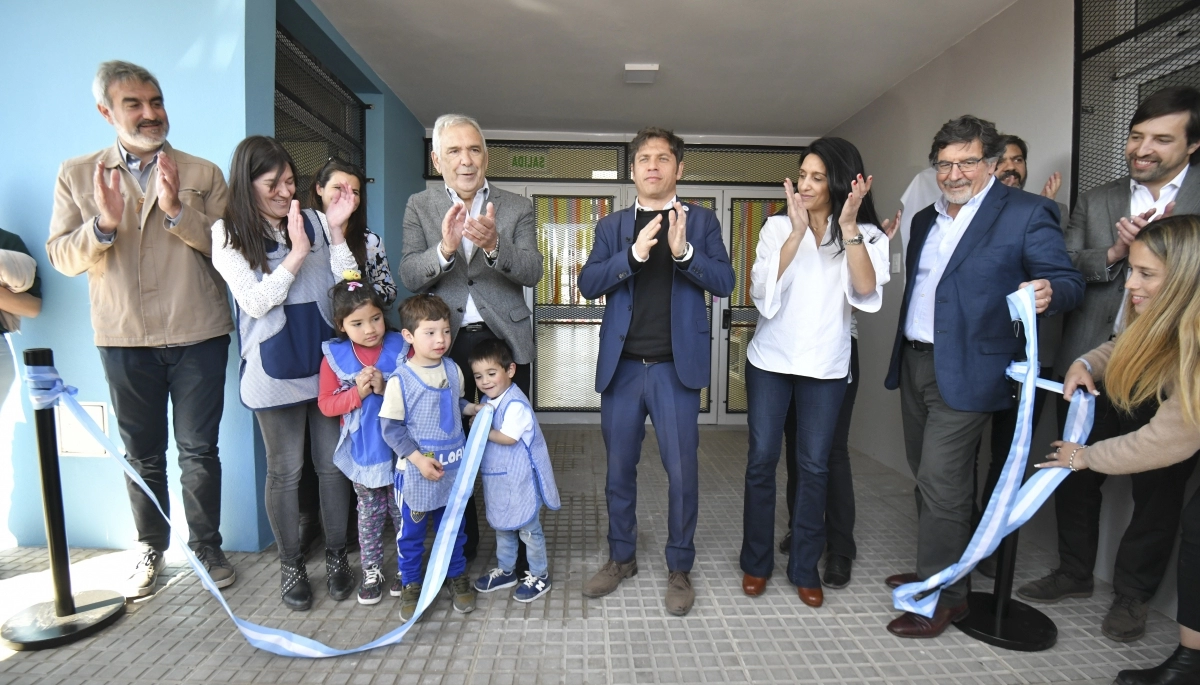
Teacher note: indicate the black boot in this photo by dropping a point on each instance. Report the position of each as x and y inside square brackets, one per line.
[1181, 668]
[338, 575]
[293, 584]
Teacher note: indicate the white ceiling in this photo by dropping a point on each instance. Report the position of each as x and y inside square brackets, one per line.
[735, 68]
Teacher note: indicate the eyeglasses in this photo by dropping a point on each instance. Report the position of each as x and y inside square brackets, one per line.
[966, 166]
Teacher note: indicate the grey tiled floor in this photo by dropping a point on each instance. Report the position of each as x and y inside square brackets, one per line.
[182, 636]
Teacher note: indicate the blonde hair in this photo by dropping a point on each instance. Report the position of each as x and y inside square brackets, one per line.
[1160, 348]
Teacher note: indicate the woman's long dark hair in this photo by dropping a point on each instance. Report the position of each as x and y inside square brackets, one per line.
[842, 165]
[356, 226]
[246, 230]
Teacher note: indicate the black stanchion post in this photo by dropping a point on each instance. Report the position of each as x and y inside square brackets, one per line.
[70, 616]
[998, 619]
[52, 501]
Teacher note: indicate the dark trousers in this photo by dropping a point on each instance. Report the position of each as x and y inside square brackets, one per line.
[140, 381]
[839, 487]
[638, 390]
[939, 442]
[1188, 582]
[1004, 427]
[460, 351]
[1145, 548]
[818, 402]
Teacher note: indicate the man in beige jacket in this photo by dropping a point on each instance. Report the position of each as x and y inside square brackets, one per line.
[136, 217]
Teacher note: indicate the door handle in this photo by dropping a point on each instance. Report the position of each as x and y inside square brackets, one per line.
[726, 319]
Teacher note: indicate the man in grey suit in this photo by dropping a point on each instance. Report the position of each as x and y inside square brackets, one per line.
[1164, 136]
[474, 246]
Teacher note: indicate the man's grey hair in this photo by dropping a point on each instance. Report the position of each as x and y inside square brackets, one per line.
[117, 71]
[450, 121]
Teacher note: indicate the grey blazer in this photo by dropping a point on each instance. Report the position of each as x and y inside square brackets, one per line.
[1091, 231]
[496, 290]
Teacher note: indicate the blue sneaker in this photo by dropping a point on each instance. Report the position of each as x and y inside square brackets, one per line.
[496, 579]
[532, 587]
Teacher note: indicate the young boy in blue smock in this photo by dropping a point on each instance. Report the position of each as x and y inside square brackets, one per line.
[421, 421]
[517, 477]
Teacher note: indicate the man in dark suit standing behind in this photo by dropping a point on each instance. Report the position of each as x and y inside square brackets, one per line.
[654, 261]
[980, 241]
[1162, 145]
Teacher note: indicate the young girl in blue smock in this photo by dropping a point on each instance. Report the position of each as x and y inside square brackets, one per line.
[516, 472]
[353, 375]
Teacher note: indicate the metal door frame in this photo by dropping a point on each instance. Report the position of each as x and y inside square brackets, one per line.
[721, 362]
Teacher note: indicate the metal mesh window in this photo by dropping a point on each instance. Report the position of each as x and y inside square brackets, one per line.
[1130, 49]
[316, 115]
[739, 165]
[748, 217]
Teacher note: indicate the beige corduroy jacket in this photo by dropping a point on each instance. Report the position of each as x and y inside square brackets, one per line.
[154, 285]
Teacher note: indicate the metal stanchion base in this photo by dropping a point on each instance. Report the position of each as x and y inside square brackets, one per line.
[39, 628]
[1023, 628]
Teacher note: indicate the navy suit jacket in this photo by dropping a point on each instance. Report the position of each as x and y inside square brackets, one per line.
[1013, 238]
[607, 272]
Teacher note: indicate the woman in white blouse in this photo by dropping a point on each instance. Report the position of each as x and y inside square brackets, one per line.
[279, 264]
[811, 267]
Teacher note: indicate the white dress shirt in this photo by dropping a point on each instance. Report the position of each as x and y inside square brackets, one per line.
[805, 312]
[470, 311]
[662, 231]
[1140, 201]
[935, 255]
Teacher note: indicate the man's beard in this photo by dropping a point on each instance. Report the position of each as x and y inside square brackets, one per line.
[144, 141]
[958, 195]
[1012, 173]
[1155, 173]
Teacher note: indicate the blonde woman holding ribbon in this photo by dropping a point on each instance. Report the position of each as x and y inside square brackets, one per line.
[1151, 373]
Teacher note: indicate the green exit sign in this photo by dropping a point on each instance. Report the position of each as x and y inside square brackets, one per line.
[528, 162]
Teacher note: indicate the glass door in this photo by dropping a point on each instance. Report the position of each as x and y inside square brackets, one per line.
[567, 326]
[747, 210]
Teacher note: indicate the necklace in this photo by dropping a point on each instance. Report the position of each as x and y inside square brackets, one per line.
[354, 348]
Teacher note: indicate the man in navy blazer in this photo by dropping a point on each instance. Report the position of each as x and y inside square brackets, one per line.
[654, 261]
[979, 242]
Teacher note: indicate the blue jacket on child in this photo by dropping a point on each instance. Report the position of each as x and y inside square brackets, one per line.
[517, 478]
[433, 418]
[362, 454]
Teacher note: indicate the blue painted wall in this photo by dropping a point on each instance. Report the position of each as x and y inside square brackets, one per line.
[217, 73]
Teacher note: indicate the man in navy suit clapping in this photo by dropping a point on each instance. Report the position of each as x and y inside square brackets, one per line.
[654, 261]
[980, 241]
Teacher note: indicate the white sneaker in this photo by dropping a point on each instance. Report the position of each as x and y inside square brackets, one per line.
[145, 573]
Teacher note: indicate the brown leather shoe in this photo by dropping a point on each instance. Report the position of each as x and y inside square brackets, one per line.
[916, 625]
[812, 596]
[753, 586]
[901, 579]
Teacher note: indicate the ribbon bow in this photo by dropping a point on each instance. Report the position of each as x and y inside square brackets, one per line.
[353, 285]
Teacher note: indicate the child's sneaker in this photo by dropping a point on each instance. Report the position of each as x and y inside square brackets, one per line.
[408, 600]
[532, 587]
[371, 590]
[397, 588]
[461, 592]
[496, 579]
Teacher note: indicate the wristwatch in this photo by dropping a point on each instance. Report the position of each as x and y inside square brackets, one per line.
[491, 256]
[857, 240]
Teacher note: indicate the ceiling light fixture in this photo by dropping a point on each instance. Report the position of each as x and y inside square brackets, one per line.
[641, 73]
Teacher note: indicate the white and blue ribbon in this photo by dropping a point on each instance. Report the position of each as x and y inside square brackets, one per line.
[1012, 504]
[46, 389]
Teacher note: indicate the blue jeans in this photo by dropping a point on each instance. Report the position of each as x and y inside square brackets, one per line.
[535, 545]
[818, 402]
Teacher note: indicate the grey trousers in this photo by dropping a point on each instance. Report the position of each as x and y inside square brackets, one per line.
[283, 436]
[940, 445]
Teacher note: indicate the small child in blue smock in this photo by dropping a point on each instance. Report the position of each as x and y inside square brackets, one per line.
[421, 418]
[351, 387]
[516, 472]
